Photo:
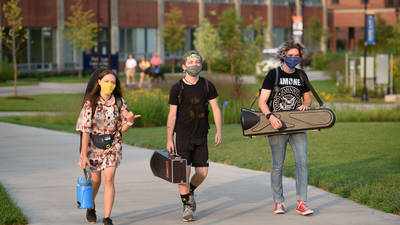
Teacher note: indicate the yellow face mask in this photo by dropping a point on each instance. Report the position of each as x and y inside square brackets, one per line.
[107, 87]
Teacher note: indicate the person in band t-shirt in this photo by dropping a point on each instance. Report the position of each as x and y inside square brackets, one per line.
[188, 125]
[286, 93]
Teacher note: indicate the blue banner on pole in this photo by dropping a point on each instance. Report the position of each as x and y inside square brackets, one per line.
[370, 29]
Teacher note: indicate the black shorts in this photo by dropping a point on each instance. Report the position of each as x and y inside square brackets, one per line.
[194, 150]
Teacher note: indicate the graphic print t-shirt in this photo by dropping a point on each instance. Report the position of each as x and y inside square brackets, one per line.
[192, 114]
[291, 89]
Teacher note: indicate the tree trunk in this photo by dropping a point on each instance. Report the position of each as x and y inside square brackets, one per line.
[173, 65]
[14, 62]
[209, 66]
[232, 67]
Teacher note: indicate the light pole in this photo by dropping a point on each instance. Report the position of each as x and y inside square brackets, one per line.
[365, 92]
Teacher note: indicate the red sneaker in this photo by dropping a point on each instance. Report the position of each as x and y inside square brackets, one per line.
[302, 208]
[279, 208]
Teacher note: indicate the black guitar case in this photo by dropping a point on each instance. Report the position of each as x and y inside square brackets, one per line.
[255, 123]
[169, 167]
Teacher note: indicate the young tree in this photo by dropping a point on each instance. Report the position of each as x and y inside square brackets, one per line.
[174, 33]
[81, 30]
[257, 28]
[207, 42]
[15, 36]
[230, 30]
[254, 43]
[313, 33]
[384, 33]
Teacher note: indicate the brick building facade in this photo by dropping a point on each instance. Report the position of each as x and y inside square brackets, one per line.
[346, 20]
[134, 26]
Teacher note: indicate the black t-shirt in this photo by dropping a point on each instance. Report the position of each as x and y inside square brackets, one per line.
[192, 114]
[291, 89]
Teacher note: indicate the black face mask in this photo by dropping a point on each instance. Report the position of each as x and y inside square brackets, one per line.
[193, 70]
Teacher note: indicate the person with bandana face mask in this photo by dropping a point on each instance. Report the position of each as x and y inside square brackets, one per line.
[188, 126]
[283, 89]
[103, 116]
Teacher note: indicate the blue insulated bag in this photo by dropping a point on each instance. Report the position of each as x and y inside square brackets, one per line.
[84, 191]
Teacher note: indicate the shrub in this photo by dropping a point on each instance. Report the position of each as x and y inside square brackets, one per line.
[6, 71]
[321, 61]
[222, 66]
[152, 104]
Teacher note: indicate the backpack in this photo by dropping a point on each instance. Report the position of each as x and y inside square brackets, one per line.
[180, 83]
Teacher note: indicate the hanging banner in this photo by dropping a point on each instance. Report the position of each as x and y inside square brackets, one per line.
[297, 26]
[371, 30]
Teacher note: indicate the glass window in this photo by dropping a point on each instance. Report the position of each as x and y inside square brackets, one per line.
[35, 45]
[313, 3]
[139, 49]
[283, 2]
[219, 1]
[72, 57]
[122, 44]
[335, 2]
[280, 34]
[151, 45]
[48, 37]
[253, 2]
[68, 52]
[137, 41]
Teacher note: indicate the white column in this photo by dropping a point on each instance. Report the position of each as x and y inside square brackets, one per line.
[114, 27]
[60, 36]
[298, 8]
[270, 24]
[201, 11]
[324, 25]
[237, 7]
[160, 31]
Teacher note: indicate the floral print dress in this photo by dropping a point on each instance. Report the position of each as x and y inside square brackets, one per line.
[106, 120]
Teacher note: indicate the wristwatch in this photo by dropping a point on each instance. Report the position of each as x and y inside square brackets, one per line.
[269, 115]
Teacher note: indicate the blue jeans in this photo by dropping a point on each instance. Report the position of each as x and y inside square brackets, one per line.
[278, 143]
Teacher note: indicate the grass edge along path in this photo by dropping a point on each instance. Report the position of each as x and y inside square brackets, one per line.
[358, 161]
[10, 213]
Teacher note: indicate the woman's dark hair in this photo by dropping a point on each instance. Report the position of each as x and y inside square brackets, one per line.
[286, 46]
[92, 92]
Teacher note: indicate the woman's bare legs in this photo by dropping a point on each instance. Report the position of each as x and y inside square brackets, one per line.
[109, 190]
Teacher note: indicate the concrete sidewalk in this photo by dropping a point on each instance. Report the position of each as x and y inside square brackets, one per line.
[38, 168]
[44, 88]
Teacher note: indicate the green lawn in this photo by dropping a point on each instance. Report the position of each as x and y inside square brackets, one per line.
[359, 161]
[9, 212]
[45, 103]
[19, 83]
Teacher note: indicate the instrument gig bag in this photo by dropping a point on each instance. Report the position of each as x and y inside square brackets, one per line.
[255, 123]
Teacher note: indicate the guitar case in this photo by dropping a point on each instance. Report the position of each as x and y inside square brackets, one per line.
[169, 167]
[255, 123]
